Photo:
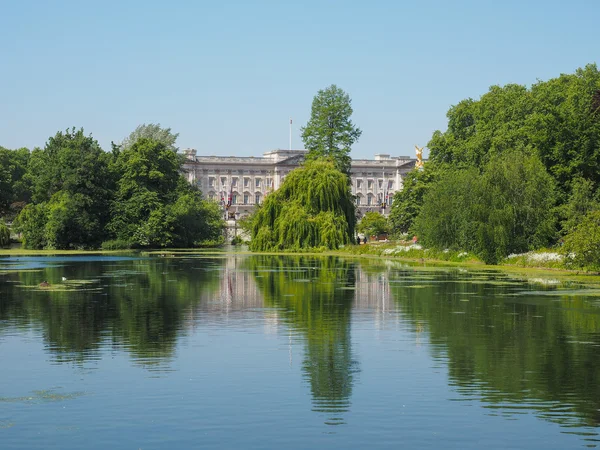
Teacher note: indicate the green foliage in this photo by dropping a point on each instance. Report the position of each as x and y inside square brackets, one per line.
[116, 244]
[135, 197]
[154, 205]
[312, 209]
[556, 119]
[330, 132]
[507, 209]
[408, 201]
[14, 188]
[582, 200]
[582, 244]
[71, 189]
[4, 235]
[373, 224]
[237, 240]
[31, 222]
[153, 132]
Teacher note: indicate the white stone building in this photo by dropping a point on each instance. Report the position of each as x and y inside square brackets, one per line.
[240, 183]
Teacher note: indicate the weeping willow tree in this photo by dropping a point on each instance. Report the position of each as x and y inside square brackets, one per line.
[313, 208]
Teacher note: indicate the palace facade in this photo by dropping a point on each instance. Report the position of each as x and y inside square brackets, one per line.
[241, 183]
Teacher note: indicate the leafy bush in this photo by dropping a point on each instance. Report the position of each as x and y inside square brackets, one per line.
[116, 244]
[373, 224]
[505, 209]
[4, 235]
[582, 245]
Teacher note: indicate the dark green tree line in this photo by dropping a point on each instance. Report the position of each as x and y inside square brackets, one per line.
[82, 197]
[514, 171]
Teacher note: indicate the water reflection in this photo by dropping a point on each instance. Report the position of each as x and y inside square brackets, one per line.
[513, 349]
[139, 305]
[314, 297]
[509, 345]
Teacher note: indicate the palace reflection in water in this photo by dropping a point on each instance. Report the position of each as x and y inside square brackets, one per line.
[508, 344]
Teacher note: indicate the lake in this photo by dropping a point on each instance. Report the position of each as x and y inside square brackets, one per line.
[257, 351]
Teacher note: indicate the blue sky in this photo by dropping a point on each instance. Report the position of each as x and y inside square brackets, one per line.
[227, 75]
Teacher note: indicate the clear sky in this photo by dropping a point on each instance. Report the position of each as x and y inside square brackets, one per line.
[228, 74]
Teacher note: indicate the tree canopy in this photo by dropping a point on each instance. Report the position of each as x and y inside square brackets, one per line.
[14, 188]
[329, 131]
[373, 224]
[154, 205]
[313, 208]
[513, 171]
[71, 191]
[83, 197]
[154, 132]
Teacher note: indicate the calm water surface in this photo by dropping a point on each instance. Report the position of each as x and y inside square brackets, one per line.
[292, 352]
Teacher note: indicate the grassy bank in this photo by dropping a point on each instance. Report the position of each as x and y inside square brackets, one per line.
[541, 260]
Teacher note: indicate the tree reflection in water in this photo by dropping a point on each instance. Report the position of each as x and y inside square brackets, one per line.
[314, 297]
[139, 305]
[512, 349]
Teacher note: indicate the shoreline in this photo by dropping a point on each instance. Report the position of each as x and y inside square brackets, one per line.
[574, 275]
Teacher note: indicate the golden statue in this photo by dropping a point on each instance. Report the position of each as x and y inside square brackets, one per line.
[419, 163]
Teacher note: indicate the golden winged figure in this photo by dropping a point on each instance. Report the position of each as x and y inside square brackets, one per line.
[419, 163]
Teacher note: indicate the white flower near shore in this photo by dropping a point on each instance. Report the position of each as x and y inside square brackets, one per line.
[402, 249]
[538, 257]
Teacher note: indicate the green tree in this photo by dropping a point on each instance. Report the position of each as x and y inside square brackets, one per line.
[153, 132]
[373, 224]
[154, 204]
[313, 208]
[4, 235]
[556, 119]
[408, 201]
[582, 200]
[508, 208]
[582, 243]
[14, 188]
[31, 223]
[72, 187]
[329, 131]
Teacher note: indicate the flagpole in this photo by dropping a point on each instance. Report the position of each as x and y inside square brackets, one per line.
[290, 133]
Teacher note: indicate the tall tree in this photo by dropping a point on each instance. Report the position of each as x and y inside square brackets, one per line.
[154, 132]
[154, 205]
[313, 208]
[330, 132]
[71, 191]
[14, 188]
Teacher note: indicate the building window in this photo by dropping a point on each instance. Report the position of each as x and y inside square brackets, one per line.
[380, 184]
[390, 199]
[358, 184]
[369, 200]
[211, 182]
[257, 182]
[246, 199]
[223, 181]
[357, 200]
[269, 183]
[234, 199]
[390, 184]
[199, 182]
[234, 182]
[257, 198]
[370, 184]
[246, 182]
